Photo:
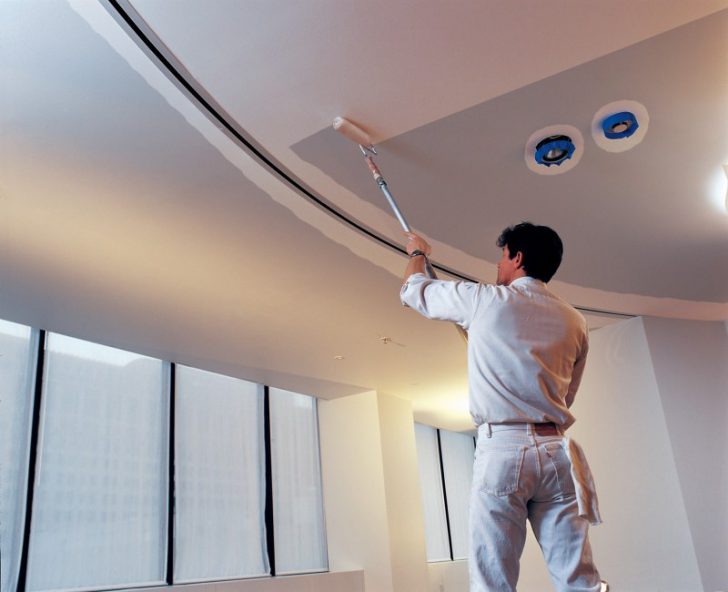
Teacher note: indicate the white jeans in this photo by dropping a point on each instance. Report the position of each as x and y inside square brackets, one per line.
[520, 475]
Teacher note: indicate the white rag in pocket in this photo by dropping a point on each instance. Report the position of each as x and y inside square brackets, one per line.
[586, 493]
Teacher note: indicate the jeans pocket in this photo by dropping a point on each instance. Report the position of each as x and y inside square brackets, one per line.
[560, 464]
[500, 470]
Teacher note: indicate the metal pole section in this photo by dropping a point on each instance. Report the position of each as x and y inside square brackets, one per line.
[390, 198]
[430, 272]
[393, 204]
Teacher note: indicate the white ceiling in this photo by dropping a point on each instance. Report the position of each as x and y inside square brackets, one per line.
[130, 219]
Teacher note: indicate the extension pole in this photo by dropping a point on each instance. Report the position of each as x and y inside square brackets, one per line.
[360, 137]
[381, 181]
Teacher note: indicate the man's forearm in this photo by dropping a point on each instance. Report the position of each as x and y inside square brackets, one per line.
[416, 264]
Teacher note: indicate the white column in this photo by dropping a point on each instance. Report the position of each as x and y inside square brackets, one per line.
[404, 499]
[372, 499]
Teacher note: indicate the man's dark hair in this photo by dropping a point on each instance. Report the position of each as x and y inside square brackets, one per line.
[541, 247]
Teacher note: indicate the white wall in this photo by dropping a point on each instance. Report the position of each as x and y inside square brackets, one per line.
[645, 542]
[691, 365]
[448, 576]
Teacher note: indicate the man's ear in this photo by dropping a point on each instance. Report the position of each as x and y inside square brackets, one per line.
[518, 260]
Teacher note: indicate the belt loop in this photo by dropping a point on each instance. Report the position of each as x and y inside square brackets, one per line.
[489, 433]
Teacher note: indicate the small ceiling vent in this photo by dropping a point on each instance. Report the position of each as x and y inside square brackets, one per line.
[620, 125]
[554, 149]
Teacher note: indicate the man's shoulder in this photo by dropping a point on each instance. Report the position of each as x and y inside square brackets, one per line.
[563, 307]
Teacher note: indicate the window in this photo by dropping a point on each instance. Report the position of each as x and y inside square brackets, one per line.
[17, 372]
[433, 502]
[446, 472]
[457, 463]
[100, 504]
[220, 478]
[300, 544]
[246, 482]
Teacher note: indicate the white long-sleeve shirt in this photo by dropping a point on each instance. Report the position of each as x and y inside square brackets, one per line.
[526, 346]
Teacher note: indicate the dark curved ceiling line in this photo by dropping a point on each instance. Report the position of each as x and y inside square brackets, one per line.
[136, 27]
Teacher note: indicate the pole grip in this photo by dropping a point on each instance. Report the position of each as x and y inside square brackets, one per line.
[376, 173]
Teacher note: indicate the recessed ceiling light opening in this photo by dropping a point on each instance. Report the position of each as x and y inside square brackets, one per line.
[620, 125]
[554, 150]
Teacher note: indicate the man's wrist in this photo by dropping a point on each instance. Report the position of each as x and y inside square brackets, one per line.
[417, 253]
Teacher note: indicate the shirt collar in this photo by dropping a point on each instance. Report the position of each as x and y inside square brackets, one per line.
[527, 280]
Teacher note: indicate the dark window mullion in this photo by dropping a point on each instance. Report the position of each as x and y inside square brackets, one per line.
[270, 541]
[171, 476]
[33, 457]
[444, 494]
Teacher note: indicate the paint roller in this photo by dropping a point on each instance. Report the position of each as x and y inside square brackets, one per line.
[357, 135]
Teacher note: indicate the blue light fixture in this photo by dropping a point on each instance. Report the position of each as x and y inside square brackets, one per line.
[620, 125]
[554, 150]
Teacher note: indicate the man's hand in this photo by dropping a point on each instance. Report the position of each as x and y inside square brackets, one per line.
[416, 264]
[416, 243]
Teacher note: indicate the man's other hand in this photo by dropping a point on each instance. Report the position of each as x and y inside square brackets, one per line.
[416, 243]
